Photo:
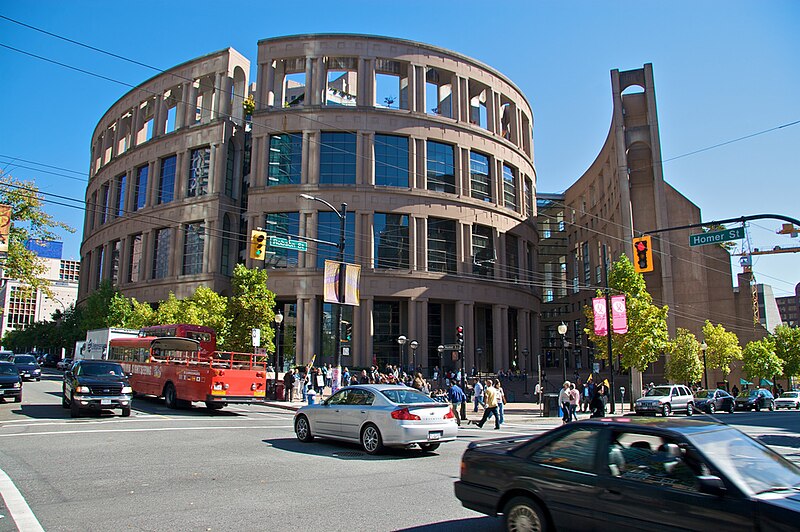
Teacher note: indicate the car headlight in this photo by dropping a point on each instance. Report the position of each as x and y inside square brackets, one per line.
[127, 390]
[17, 385]
[82, 389]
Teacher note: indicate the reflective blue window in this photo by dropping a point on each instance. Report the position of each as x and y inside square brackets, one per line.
[140, 194]
[166, 180]
[285, 158]
[328, 228]
[284, 225]
[337, 158]
[480, 177]
[391, 161]
[441, 245]
[391, 240]
[509, 188]
[441, 173]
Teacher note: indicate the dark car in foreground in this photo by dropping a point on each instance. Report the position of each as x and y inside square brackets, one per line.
[758, 400]
[96, 385]
[10, 382]
[713, 401]
[28, 367]
[632, 474]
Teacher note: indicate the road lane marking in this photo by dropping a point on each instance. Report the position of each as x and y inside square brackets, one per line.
[156, 429]
[16, 505]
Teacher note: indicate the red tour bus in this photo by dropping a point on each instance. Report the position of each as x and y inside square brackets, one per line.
[178, 370]
[205, 335]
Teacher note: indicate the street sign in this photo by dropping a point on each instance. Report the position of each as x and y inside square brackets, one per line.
[256, 336]
[278, 242]
[448, 347]
[702, 239]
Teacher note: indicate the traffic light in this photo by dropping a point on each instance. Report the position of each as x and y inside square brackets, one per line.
[348, 331]
[258, 243]
[460, 334]
[642, 254]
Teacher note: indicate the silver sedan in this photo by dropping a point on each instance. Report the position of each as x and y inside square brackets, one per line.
[377, 416]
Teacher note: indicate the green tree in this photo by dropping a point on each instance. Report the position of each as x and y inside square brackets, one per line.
[647, 335]
[169, 311]
[787, 347]
[28, 221]
[683, 364]
[723, 347]
[142, 315]
[207, 308]
[96, 310]
[251, 306]
[760, 360]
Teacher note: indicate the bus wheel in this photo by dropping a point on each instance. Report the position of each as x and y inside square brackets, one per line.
[170, 397]
[215, 406]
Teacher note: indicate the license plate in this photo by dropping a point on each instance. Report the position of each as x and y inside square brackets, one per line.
[259, 393]
[2, 392]
[434, 435]
[105, 401]
[27, 375]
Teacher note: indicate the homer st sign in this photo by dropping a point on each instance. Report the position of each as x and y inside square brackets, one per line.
[702, 239]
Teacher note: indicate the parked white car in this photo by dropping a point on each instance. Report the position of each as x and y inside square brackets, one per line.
[377, 416]
[788, 400]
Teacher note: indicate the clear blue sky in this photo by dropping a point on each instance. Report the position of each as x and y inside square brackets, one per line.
[723, 70]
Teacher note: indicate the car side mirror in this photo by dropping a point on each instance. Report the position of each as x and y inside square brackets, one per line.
[712, 485]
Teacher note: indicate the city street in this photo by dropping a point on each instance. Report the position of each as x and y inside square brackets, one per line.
[242, 469]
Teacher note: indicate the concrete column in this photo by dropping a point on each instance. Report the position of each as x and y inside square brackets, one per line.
[218, 96]
[311, 150]
[309, 328]
[455, 97]
[363, 335]
[302, 347]
[180, 109]
[146, 265]
[190, 105]
[365, 170]
[134, 126]
[152, 183]
[411, 89]
[267, 88]
[497, 180]
[500, 332]
[369, 83]
[310, 97]
[183, 161]
[419, 88]
[159, 116]
[124, 259]
[279, 85]
[258, 161]
[491, 110]
[176, 252]
[217, 168]
[421, 177]
[106, 266]
[211, 247]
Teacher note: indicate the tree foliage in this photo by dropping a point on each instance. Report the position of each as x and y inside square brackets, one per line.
[760, 360]
[684, 364]
[252, 306]
[787, 347]
[647, 335]
[28, 222]
[723, 347]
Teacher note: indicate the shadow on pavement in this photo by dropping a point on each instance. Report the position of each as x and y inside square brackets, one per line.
[146, 405]
[344, 450]
[482, 524]
[780, 440]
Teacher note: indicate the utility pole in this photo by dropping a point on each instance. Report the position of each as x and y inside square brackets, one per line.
[608, 327]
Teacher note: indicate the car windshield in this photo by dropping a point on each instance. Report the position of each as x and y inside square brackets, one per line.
[24, 359]
[748, 393]
[6, 369]
[96, 370]
[658, 391]
[703, 394]
[753, 467]
[405, 396]
[790, 395]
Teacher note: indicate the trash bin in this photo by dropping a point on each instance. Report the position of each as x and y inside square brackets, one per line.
[551, 406]
[311, 396]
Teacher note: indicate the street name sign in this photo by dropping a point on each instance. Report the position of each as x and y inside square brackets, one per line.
[451, 346]
[278, 242]
[702, 239]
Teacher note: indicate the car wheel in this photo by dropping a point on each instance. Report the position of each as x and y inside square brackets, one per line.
[18, 399]
[666, 410]
[170, 397]
[521, 513]
[711, 408]
[38, 379]
[126, 411]
[797, 406]
[64, 402]
[771, 406]
[429, 447]
[302, 428]
[74, 409]
[732, 408]
[215, 406]
[689, 409]
[371, 440]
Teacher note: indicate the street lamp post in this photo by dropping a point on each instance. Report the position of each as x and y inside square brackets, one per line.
[414, 345]
[562, 330]
[401, 341]
[278, 321]
[703, 348]
[440, 350]
[525, 353]
[337, 335]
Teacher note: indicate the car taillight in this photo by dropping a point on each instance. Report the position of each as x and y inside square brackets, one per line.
[449, 414]
[404, 414]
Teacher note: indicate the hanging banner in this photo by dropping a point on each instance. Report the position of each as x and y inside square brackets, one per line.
[600, 320]
[352, 278]
[5, 227]
[619, 315]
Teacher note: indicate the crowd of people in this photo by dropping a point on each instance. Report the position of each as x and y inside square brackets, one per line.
[582, 397]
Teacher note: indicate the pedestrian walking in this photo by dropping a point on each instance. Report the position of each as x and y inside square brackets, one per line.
[574, 398]
[457, 398]
[586, 396]
[501, 400]
[563, 401]
[288, 386]
[598, 405]
[490, 405]
[478, 391]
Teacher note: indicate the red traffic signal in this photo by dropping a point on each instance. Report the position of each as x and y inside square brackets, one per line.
[643, 254]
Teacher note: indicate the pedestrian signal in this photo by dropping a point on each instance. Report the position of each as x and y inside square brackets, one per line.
[460, 334]
[643, 254]
[258, 244]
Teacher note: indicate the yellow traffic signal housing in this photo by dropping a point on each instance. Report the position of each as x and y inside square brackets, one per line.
[258, 244]
[643, 254]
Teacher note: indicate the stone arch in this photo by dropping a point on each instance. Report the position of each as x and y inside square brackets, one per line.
[239, 93]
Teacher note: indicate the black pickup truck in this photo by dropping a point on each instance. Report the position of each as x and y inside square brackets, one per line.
[96, 385]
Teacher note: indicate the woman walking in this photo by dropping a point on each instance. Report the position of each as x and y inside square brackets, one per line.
[501, 399]
[563, 401]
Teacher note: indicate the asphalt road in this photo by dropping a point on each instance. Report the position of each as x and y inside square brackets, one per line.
[241, 469]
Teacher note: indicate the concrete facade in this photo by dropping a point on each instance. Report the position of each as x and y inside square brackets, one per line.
[364, 90]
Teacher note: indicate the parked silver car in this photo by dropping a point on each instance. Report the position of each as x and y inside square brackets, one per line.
[788, 400]
[665, 400]
[377, 416]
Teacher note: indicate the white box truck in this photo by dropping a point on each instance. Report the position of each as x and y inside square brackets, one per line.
[96, 345]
